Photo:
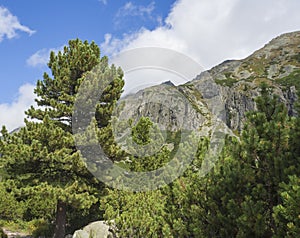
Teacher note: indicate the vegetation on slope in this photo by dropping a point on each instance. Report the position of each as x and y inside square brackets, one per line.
[253, 191]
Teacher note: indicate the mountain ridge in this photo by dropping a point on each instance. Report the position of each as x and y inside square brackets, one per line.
[227, 90]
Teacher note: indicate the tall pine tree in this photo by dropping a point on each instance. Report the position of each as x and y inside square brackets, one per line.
[287, 213]
[42, 158]
[244, 188]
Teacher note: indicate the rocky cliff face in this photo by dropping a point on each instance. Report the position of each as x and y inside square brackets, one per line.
[277, 63]
[225, 92]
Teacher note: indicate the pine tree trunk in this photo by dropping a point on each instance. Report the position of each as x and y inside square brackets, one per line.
[60, 223]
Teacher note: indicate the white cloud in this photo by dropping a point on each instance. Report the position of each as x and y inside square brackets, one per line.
[212, 31]
[12, 115]
[112, 46]
[104, 2]
[10, 25]
[130, 9]
[131, 16]
[41, 57]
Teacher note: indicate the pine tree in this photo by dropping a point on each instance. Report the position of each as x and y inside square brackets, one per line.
[137, 214]
[245, 185]
[287, 213]
[171, 210]
[140, 214]
[185, 195]
[265, 143]
[42, 158]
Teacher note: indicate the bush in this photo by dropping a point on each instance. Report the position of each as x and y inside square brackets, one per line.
[291, 80]
[10, 208]
[2, 234]
[41, 228]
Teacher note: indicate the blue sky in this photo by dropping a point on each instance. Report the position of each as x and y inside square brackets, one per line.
[55, 22]
[209, 31]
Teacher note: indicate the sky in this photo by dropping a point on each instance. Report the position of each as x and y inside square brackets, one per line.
[208, 31]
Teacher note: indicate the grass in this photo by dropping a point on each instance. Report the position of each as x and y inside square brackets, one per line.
[258, 81]
[193, 96]
[36, 227]
[173, 137]
[18, 226]
[2, 234]
[229, 82]
[292, 79]
[258, 66]
[296, 57]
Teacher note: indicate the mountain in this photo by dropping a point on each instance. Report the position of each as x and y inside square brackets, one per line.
[225, 92]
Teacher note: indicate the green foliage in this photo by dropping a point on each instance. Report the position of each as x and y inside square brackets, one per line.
[67, 68]
[291, 80]
[287, 214]
[221, 190]
[141, 131]
[37, 206]
[150, 154]
[171, 211]
[36, 227]
[10, 208]
[297, 57]
[185, 199]
[253, 191]
[174, 138]
[41, 160]
[244, 188]
[40, 228]
[249, 193]
[2, 234]
[137, 214]
[82, 217]
[229, 82]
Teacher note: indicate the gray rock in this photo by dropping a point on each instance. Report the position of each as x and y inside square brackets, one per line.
[81, 234]
[98, 229]
[193, 104]
[273, 71]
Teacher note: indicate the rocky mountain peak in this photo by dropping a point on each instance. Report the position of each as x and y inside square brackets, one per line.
[227, 91]
[290, 42]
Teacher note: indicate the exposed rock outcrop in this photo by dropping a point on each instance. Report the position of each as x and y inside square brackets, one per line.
[227, 91]
[98, 229]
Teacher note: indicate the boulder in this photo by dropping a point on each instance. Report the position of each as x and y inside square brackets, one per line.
[98, 229]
